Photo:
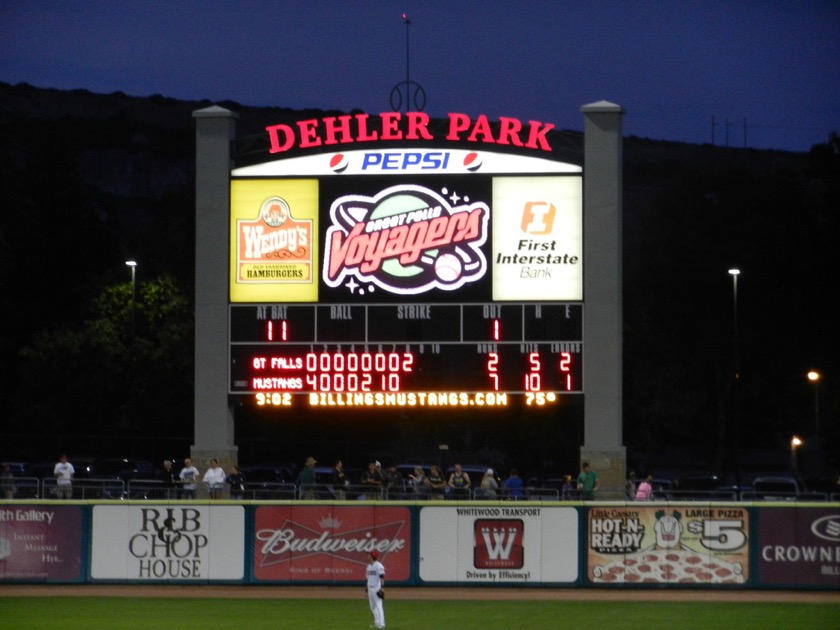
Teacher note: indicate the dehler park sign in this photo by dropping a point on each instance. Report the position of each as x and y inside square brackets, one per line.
[411, 126]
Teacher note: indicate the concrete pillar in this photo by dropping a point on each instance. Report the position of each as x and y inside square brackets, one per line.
[602, 292]
[214, 430]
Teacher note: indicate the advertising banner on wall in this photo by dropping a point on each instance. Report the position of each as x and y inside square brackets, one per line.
[498, 545]
[40, 542]
[329, 542]
[168, 542]
[668, 545]
[799, 546]
[274, 241]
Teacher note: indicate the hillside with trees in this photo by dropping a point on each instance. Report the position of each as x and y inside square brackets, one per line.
[91, 180]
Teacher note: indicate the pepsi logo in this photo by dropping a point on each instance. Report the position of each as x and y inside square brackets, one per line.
[338, 163]
[472, 161]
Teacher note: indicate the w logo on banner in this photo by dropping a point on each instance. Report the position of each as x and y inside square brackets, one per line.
[498, 544]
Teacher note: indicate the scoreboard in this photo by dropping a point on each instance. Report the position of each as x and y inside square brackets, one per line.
[350, 354]
[406, 277]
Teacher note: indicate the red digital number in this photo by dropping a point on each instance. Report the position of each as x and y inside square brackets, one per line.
[279, 331]
[566, 369]
[532, 379]
[351, 371]
[493, 369]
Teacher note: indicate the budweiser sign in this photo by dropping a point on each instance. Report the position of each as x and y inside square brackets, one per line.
[330, 543]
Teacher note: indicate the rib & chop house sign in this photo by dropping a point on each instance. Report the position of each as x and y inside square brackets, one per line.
[414, 126]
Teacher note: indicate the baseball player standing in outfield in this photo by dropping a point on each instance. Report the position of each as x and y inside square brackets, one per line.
[375, 589]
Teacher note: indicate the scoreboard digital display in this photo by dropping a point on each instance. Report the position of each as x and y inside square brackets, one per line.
[349, 354]
[407, 277]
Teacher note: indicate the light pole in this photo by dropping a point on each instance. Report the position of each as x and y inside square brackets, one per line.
[814, 377]
[734, 400]
[795, 443]
[133, 265]
[735, 272]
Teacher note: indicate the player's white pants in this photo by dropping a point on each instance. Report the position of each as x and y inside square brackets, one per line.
[377, 608]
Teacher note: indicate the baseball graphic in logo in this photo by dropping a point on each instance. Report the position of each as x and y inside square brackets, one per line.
[406, 240]
[448, 267]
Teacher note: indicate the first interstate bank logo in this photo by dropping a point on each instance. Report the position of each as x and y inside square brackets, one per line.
[406, 239]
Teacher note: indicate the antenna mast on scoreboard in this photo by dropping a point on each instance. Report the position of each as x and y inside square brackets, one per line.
[408, 90]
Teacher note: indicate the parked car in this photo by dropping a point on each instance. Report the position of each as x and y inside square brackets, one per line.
[776, 488]
[121, 468]
[267, 473]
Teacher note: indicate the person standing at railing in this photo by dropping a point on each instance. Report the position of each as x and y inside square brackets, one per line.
[459, 483]
[306, 479]
[372, 480]
[63, 473]
[587, 482]
[7, 479]
[215, 479]
[168, 480]
[645, 490]
[489, 485]
[513, 486]
[339, 480]
[188, 476]
[236, 481]
[437, 482]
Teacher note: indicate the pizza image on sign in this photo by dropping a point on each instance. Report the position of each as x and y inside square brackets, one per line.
[668, 545]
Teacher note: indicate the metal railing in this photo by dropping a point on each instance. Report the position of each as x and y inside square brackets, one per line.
[154, 490]
[84, 489]
[694, 495]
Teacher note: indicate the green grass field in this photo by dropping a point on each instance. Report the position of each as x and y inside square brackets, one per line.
[121, 613]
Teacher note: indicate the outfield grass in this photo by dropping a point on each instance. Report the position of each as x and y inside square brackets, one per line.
[121, 613]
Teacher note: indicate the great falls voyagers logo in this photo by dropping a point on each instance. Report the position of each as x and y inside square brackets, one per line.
[407, 240]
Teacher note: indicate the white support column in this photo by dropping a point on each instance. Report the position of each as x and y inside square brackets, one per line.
[214, 430]
[602, 288]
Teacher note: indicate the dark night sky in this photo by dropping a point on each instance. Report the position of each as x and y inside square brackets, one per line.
[673, 65]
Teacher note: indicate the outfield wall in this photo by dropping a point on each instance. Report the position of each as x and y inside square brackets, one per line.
[685, 544]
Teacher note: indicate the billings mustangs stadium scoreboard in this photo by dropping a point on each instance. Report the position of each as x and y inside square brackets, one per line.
[406, 265]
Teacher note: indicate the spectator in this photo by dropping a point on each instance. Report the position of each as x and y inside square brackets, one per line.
[63, 473]
[459, 483]
[630, 486]
[169, 480]
[306, 479]
[188, 476]
[437, 482]
[568, 488]
[7, 479]
[394, 483]
[236, 481]
[421, 484]
[339, 480]
[587, 482]
[215, 479]
[513, 486]
[489, 485]
[372, 478]
[645, 490]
